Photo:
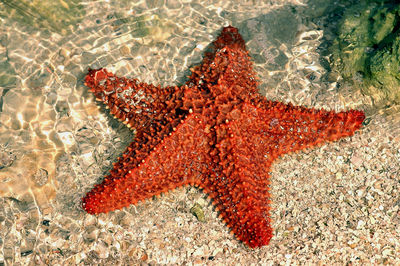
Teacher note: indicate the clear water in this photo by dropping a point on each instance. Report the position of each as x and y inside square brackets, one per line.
[55, 141]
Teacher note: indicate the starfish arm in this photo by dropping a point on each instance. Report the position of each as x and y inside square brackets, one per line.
[291, 128]
[250, 140]
[140, 105]
[180, 159]
[240, 189]
[228, 65]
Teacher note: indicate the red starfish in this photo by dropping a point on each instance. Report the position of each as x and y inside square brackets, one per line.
[215, 132]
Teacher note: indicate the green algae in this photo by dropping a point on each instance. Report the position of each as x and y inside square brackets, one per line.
[55, 15]
[367, 49]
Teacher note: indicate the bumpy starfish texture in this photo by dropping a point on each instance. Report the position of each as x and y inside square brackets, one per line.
[215, 132]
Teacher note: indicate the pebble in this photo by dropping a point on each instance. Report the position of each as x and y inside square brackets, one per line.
[40, 177]
[6, 158]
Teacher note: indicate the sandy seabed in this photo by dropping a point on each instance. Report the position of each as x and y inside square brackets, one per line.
[338, 203]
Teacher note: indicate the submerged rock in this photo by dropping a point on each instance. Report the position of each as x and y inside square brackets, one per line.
[367, 49]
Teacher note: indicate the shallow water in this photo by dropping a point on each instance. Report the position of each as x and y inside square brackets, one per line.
[56, 143]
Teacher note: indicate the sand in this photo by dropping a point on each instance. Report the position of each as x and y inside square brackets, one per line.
[338, 203]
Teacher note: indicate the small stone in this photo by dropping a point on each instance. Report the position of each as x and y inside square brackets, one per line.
[40, 177]
[124, 50]
[339, 175]
[145, 257]
[199, 252]
[197, 210]
[65, 53]
[372, 220]
[67, 138]
[102, 250]
[173, 4]
[356, 160]
[360, 224]
[62, 108]
[6, 158]
[89, 220]
[386, 252]
[91, 234]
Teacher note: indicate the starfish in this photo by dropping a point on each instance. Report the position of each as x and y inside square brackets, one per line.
[215, 132]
